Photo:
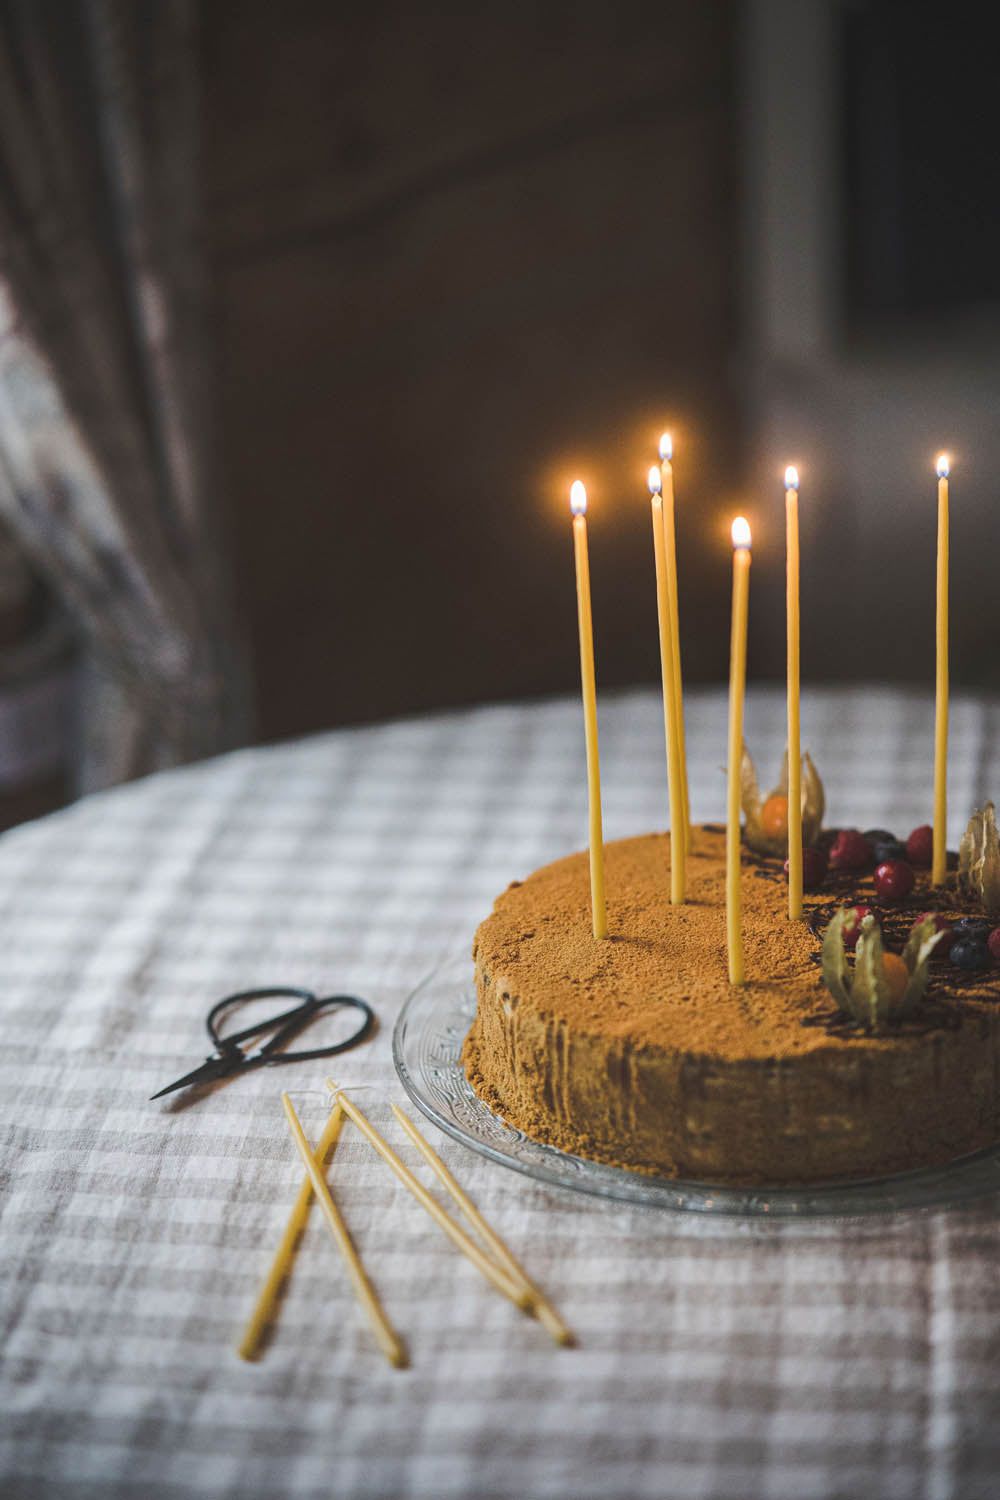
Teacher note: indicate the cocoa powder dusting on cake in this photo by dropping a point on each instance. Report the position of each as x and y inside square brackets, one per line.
[662, 972]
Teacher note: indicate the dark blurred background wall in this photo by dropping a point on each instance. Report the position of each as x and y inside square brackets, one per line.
[460, 255]
[465, 254]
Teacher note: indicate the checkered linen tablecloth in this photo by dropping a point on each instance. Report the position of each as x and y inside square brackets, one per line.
[716, 1358]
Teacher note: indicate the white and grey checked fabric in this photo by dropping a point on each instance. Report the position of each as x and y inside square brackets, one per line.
[717, 1359]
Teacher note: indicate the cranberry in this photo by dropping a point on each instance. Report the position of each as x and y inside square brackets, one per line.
[920, 845]
[851, 929]
[814, 864]
[850, 851]
[893, 880]
[993, 943]
[941, 924]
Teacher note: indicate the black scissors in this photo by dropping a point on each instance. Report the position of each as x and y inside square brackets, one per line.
[230, 1058]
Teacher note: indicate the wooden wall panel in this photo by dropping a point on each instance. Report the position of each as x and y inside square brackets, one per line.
[460, 258]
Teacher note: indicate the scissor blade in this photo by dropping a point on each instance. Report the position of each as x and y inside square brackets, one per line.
[212, 1068]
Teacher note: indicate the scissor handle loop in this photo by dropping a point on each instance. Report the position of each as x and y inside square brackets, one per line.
[228, 1044]
[286, 1025]
[365, 1030]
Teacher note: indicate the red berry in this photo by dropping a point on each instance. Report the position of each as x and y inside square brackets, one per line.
[993, 943]
[851, 929]
[941, 924]
[893, 880]
[850, 851]
[920, 846]
[814, 864]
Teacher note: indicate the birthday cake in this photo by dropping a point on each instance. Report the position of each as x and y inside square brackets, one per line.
[636, 1050]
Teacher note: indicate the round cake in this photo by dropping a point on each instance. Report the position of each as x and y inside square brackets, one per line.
[636, 1050]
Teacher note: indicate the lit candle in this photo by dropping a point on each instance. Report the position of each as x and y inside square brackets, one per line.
[667, 476]
[939, 861]
[794, 748]
[598, 903]
[737, 681]
[678, 830]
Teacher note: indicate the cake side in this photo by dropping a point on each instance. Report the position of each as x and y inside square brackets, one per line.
[637, 1051]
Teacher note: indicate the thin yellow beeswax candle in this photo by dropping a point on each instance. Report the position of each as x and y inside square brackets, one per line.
[542, 1308]
[794, 738]
[737, 682]
[939, 861]
[669, 534]
[678, 830]
[249, 1345]
[598, 901]
[385, 1334]
[518, 1291]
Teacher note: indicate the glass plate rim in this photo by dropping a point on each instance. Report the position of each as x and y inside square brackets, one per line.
[449, 991]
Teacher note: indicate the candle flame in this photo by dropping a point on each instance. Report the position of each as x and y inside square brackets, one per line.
[654, 481]
[791, 477]
[741, 532]
[578, 498]
[666, 448]
[943, 466]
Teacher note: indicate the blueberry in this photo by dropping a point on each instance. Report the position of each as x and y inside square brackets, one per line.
[881, 836]
[969, 954]
[889, 849]
[975, 928]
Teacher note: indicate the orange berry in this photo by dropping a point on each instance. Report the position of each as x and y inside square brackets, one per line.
[774, 817]
[897, 976]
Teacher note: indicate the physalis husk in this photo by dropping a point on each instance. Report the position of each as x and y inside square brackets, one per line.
[979, 859]
[863, 992]
[813, 805]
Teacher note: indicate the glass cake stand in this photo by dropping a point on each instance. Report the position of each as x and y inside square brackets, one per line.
[426, 1047]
